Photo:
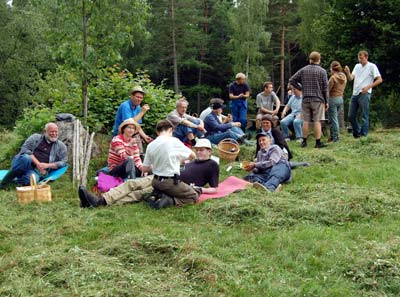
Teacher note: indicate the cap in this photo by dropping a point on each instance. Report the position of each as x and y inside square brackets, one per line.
[262, 134]
[217, 105]
[128, 122]
[203, 142]
[216, 100]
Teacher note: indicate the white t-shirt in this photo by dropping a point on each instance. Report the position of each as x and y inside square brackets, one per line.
[207, 111]
[363, 76]
[165, 154]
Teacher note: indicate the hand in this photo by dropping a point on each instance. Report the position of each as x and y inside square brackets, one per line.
[364, 90]
[240, 96]
[229, 118]
[347, 69]
[144, 174]
[201, 129]
[275, 112]
[283, 114]
[250, 166]
[236, 124]
[146, 108]
[147, 138]
[326, 106]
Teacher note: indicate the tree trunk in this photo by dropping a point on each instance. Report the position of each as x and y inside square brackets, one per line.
[282, 94]
[202, 56]
[174, 53]
[84, 66]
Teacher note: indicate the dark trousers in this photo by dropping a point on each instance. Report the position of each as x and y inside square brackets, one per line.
[126, 169]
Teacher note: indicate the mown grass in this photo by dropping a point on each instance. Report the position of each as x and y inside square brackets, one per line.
[333, 231]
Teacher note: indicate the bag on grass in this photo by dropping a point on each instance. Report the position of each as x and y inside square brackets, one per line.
[106, 182]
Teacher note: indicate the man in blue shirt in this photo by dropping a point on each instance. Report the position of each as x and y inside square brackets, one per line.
[131, 109]
[239, 92]
[294, 117]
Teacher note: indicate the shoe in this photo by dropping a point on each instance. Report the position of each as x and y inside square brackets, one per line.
[82, 197]
[287, 139]
[163, 202]
[90, 198]
[320, 145]
[279, 188]
[257, 185]
[299, 140]
[303, 143]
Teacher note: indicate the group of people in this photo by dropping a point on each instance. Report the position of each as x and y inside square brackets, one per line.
[160, 171]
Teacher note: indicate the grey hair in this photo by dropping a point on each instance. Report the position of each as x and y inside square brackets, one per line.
[180, 101]
[49, 124]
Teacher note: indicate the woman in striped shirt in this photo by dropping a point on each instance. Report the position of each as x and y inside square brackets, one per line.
[123, 156]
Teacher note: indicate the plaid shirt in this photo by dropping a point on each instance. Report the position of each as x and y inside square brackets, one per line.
[314, 81]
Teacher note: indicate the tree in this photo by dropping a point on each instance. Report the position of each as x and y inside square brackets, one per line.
[249, 39]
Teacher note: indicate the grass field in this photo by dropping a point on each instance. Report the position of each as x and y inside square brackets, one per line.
[333, 231]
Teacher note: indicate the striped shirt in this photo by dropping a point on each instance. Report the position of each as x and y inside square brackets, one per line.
[314, 80]
[120, 150]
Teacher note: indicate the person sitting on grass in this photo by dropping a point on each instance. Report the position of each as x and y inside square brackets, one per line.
[123, 156]
[200, 172]
[271, 168]
[203, 170]
[39, 155]
[216, 131]
[294, 117]
[186, 127]
[268, 127]
[163, 158]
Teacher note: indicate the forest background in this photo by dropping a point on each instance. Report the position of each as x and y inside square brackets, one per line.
[82, 56]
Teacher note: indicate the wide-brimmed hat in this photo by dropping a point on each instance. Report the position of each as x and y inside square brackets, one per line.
[139, 89]
[203, 142]
[128, 122]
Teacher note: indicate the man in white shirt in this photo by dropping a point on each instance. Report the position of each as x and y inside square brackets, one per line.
[366, 76]
[164, 156]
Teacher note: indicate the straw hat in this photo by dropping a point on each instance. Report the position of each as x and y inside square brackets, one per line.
[138, 89]
[128, 122]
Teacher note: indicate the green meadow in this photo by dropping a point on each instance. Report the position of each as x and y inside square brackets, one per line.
[333, 231]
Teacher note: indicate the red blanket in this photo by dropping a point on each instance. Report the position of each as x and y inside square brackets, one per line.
[228, 186]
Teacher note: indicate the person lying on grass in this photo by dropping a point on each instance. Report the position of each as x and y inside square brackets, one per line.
[199, 173]
[271, 168]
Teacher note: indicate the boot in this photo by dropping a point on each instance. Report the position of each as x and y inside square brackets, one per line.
[90, 199]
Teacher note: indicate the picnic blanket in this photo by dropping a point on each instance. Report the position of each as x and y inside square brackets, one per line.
[228, 186]
[53, 175]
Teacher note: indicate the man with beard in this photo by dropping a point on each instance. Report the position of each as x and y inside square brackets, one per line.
[39, 155]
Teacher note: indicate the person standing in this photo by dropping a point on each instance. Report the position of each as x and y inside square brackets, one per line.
[366, 76]
[314, 81]
[239, 92]
[336, 85]
[294, 117]
[265, 103]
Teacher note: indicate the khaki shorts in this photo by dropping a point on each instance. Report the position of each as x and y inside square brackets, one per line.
[313, 111]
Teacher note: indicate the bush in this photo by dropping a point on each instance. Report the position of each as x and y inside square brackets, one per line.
[61, 91]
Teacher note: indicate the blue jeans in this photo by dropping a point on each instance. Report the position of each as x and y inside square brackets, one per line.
[271, 177]
[239, 114]
[297, 124]
[234, 133]
[181, 131]
[334, 106]
[360, 101]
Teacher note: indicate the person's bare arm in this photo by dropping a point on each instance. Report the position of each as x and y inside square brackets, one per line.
[209, 190]
[376, 82]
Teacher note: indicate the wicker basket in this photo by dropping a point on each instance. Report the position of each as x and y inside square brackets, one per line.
[41, 193]
[228, 149]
